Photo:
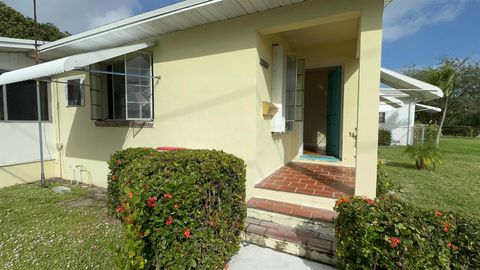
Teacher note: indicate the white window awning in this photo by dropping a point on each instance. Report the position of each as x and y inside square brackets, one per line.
[416, 89]
[68, 63]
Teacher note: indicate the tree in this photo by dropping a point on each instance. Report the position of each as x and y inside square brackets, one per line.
[461, 101]
[445, 78]
[14, 25]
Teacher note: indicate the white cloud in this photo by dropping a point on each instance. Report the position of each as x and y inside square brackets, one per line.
[406, 17]
[76, 16]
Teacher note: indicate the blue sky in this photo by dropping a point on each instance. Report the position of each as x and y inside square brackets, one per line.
[416, 32]
[445, 28]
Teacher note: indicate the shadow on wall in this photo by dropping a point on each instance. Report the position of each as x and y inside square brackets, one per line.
[17, 177]
[86, 141]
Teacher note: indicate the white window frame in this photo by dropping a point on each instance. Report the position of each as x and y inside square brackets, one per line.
[82, 90]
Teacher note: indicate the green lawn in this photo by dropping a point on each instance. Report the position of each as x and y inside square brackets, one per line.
[40, 229]
[453, 185]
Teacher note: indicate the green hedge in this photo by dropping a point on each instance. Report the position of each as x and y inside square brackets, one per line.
[461, 131]
[384, 137]
[182, 210]
[389, 233]
[119, 161]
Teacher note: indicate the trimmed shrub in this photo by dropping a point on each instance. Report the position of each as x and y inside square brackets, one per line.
[389, 233]
[182, 210]
[384, 137]
[385, 184]
[430, 134]
[118, 162]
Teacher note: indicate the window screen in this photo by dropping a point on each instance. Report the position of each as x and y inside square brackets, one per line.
[21, 101]
[291, 92]
[139, 86]
[74, 93]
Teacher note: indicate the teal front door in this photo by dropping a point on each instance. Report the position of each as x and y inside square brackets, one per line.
[334, 108]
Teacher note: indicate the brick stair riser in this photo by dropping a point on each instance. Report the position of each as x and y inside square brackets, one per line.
[300, 250]
[295, 198]
[290, 221]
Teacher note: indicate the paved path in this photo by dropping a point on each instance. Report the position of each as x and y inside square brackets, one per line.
[251, 257]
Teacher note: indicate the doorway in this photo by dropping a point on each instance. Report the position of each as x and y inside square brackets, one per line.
[322, 114]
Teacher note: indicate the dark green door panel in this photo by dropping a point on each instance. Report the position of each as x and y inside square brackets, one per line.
[334, 108]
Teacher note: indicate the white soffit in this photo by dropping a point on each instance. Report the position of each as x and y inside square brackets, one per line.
[66, 64]
[417, 89]
[183, 15]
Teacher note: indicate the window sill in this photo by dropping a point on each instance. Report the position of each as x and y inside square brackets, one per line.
[124, 123]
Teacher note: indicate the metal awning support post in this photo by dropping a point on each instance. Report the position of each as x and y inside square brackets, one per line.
[39, 103]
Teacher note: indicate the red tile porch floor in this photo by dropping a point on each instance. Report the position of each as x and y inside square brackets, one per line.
[312, 179]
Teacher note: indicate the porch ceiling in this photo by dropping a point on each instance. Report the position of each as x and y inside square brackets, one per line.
[323, 33]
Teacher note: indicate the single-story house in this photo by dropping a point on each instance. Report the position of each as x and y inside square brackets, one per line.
[285, 85]
[398, 103]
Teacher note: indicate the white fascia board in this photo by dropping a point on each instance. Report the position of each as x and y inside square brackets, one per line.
[16, 43]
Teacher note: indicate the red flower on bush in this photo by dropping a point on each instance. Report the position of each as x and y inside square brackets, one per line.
[446, 227]
[394, 241]
[120, 208]
[343, 200]
[187, 233]
[176, 206]
[452, 246]
[114, 177]
[369, 201]
[169, 220]
[130, 195]
[438, 213]
[118, 162]
[168, 196]
[151, 202]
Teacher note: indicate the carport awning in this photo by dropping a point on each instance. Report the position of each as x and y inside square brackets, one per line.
[394, 102]
[417, 89]
[68, 63]
[426, 108]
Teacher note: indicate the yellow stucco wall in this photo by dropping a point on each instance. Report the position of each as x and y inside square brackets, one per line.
[24, 173]
[211, 91]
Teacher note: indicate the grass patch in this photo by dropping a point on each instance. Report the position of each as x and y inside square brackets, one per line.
[453, 185]
[40, 229]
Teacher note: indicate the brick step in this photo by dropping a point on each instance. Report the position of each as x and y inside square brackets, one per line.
[290, 209]
[294, 198]
[298, 241]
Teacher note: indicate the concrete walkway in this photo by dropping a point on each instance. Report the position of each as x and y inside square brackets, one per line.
[259, 258]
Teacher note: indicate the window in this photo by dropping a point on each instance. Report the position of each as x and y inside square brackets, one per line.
[18, 102]
[74, 89]
[129, 89]
[381, 117]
